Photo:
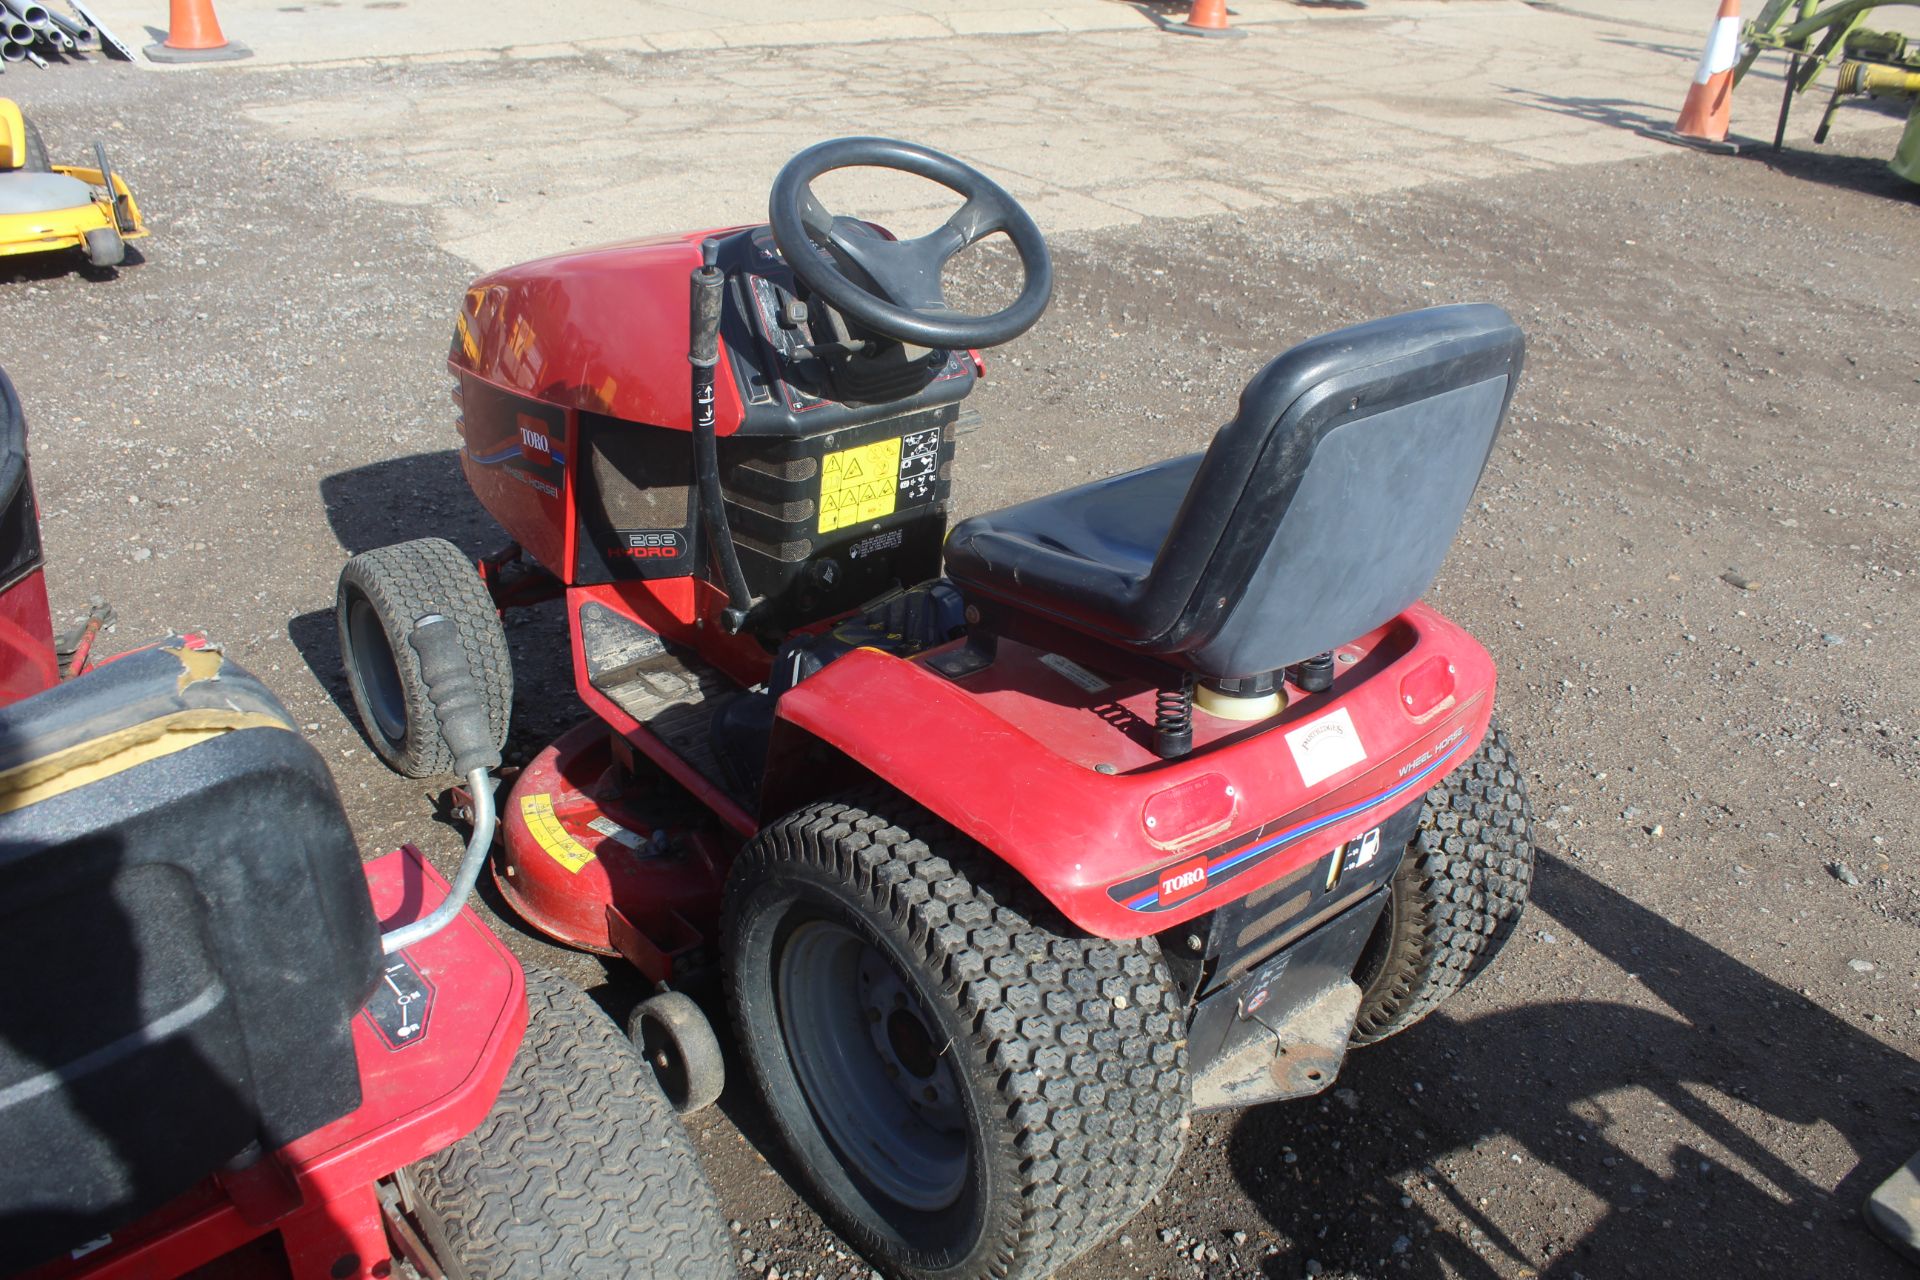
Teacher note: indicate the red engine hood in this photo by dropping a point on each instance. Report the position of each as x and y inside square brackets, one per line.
[601, 330]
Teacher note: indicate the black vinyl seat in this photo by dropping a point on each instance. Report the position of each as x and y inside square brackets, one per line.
[187, 937]
[1323, 509]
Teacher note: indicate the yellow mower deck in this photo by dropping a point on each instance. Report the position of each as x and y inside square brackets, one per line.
[48, 207]
[45, 231]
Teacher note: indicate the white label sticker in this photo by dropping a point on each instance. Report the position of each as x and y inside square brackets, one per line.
[1075, 672]
[90, 1246]
[1362, 851]
[1325, 746]
[608, 827]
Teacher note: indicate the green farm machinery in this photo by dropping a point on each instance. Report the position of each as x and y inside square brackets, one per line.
[1870, 63]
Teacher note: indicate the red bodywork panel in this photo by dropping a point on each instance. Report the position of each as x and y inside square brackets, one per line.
[416, 1099]
[594, 331]
[1057, 779]
[1015, 756]
[27, 661]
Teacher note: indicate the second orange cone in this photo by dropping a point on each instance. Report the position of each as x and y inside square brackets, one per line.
[1707, 112]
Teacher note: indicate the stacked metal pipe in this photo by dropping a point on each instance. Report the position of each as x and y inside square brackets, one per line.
[28, 28]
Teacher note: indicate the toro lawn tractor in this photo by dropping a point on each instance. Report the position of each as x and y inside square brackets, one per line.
[45, 207]
[212, 1059]
[1167, 792]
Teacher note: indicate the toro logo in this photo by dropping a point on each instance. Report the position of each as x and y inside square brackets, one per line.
[1183, 882]
[533, 438]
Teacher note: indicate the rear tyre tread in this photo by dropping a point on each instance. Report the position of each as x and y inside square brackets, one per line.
[1458, 895]
[1084, 1037]
[580, 1170]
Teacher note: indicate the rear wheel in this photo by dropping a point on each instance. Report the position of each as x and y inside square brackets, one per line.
[1457, 897]
[580, 1170]
[969, 1086]
[382, 595]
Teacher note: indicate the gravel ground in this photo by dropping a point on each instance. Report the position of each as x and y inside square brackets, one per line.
[1694, 556]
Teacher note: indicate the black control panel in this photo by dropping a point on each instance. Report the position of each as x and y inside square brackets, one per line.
[774, 338]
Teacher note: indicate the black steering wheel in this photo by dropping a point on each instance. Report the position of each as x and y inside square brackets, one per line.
[892, 287]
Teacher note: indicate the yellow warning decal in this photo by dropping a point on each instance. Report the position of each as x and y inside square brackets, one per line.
[859, 484]
[543, 824]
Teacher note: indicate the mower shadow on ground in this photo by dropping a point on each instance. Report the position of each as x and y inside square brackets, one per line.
[1537, 1084]
[37, 268]
[424, 495]
[1615, 113]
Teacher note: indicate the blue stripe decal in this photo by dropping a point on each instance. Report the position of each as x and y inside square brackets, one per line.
[511, 452]
[1152, 896]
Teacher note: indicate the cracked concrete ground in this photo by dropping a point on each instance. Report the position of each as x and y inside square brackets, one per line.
[1106, 129]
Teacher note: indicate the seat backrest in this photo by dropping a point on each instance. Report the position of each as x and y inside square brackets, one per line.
[186, 935]
[1326, 506]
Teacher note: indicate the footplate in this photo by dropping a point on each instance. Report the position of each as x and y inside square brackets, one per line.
[669, 691]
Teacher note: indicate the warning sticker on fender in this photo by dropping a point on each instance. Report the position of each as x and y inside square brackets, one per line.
[1323, 747]
[543, 824]
[859, 484]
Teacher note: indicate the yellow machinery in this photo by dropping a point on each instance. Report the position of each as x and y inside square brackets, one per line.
[46, 207]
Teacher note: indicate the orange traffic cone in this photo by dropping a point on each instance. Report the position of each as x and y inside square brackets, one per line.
[193, 35]
[1705, 115]
[1206, 18]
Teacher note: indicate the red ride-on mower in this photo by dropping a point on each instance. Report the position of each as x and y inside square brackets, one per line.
[212, 1059]
[1165, 794]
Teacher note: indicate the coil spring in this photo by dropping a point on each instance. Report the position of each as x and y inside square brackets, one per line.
[1173, 708]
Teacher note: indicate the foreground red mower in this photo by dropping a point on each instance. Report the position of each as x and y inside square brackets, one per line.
[1165, 794]
[212, 1060]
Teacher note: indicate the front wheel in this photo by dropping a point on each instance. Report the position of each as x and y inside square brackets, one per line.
[383, 594]
[1457, 897]
[969, 1086]
[105, 248]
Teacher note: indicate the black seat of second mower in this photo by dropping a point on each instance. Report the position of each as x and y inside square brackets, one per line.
[1322, 510]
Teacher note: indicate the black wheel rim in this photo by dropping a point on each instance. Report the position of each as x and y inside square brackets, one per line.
[872, 1066]
[379, 672]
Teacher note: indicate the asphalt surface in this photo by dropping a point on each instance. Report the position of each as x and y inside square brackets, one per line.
[1694, 556]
